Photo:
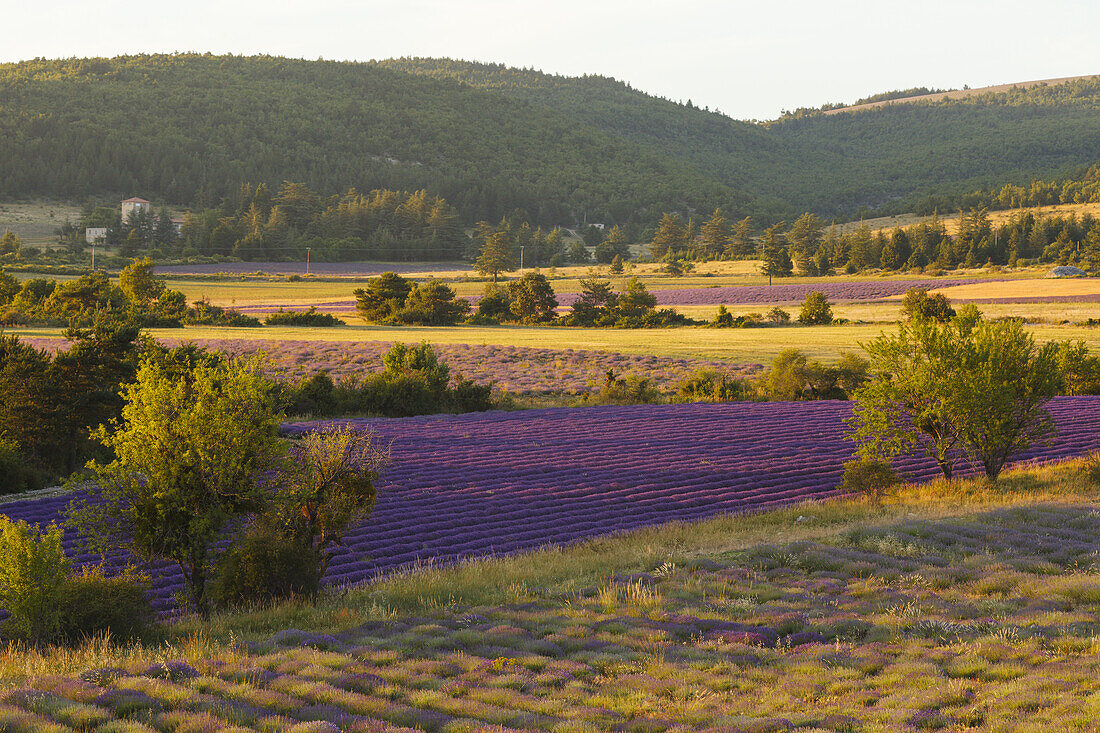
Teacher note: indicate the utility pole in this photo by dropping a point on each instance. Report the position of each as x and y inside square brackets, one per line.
[307, 260]
[521, 257]
[93, 255]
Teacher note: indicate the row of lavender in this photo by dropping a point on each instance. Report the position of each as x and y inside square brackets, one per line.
[486, 483]
[724, 295]
[519, 370]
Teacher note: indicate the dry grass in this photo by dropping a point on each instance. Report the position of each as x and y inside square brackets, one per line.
[35, 222]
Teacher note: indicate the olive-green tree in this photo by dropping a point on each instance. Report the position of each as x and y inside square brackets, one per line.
[193, 451]
[497, 255]
[816, 310]
[967, 386]
[138, 283]
[532, 298]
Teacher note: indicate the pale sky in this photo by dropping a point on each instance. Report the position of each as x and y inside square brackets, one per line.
[748, 59]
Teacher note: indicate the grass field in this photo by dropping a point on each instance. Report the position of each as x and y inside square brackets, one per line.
[955, 606]
[739, 346]
[951, 219]
[35, 222]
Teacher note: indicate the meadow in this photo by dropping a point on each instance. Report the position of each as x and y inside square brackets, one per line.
[953, 606]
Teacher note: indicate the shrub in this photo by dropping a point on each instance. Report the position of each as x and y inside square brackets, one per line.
[919, 305]
[203, 313]
[816, 310]
[303, 318]
[33, 569]
[263, 566]
[778, 316]
[495, 305]
[708, 385]
[91, 604]
[630, 391]
[869, 477]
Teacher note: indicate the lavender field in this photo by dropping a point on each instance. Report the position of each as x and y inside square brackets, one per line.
[517, 369]
[501, 482]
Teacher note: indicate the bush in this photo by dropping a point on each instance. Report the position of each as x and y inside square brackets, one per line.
[708, 385]
[263, 566]
[919, 305]
[303, 318]
[203, 313]
[869, 477]
[33, 570]
[92, 604]
[630, 391]
[816, 310]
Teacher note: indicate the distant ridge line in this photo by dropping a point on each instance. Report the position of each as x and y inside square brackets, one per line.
[961, 93]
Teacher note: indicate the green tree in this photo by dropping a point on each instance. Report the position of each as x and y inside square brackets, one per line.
[33, 570]
[595, 303]
[533, 299]
[816, 310]
[964, 385]
[433, 303]
[383, 296]
[773, 251]
[671, 236]
[578, 253]
[805, 240]
[497, 255]
[138, 283]
[742, 239]
[919, 305]
[635, 301]
[715, 236]
[10, 243]
[328, 489]
[193, 453]
[9, 287]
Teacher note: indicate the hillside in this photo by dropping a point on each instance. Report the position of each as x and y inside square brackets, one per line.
[186, 129]
[189, 128]
[954, 94]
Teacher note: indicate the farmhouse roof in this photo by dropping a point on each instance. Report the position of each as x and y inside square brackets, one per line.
[136, 200]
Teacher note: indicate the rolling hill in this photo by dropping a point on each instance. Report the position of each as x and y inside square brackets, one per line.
[188, 128]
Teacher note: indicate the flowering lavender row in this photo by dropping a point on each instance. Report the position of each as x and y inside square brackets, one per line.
[488, 483]
[520, 370]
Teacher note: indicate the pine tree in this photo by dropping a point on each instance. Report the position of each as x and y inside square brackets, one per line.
[671, 236]
[776, 258]
[715, 236]
[497, 255]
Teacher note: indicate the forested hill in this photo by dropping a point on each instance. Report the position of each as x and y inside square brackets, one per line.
[893, 157]
[188, 129]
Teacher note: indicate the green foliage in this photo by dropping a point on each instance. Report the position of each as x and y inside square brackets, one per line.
[497, 255]
[205, 313]
[816, 310]
[92, 604]
[966, 385]
[709, 385]
[793, 376]
[773, 252]
[138, 284]
[33, 569]
[494, 306]
[414, 382]
[303, 318]
[329, 488]
[16, 474]
[869, 477]
[391, 299]
[630, 391]
[919, 305]
[1080, 370]
[383, 297]
[263, 567]
[532, 298]
[432, 303]
[595, 304]
[192, 453]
